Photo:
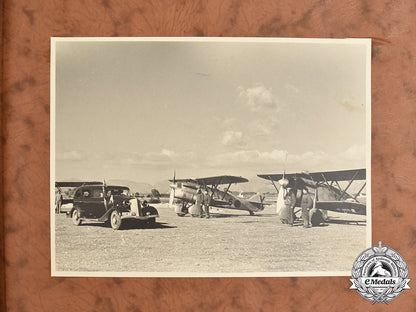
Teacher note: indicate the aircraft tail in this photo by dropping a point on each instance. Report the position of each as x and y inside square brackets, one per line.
[257, 200]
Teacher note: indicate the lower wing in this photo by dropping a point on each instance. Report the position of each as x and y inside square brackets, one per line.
[342, 206]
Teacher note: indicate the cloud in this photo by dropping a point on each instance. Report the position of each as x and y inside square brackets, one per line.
[230, 122]
[291, 89]
[249, 157]
[264, 126]
[271, 160]
[70, 156]
[309, 160]
[232, 138]
[354, 153]
[164, 158]
[258, 98]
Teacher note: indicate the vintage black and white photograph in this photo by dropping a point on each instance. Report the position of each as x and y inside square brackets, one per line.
[209, 156]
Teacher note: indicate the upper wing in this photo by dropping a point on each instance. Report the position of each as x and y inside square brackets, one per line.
[183, 180]
[75, 184]
[225, 179]
[323, 176]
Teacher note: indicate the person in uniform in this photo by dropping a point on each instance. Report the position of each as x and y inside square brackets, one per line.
[306, 204]
[291, 203]
[206, 202]
[303, 200]
[285, 202]
[299, 198]
[196, 209]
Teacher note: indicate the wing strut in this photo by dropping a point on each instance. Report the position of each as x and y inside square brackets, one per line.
[277, 190]
[214, 189]
[225, 193]
[359, 192]
[349, 184]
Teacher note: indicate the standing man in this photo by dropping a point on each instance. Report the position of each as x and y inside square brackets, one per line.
[206, 202]
[303, 199]
[196, 209]
[286, 201]
[290, 201]
[306, 204]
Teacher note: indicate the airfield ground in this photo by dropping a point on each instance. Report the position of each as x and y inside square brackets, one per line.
[228, 242]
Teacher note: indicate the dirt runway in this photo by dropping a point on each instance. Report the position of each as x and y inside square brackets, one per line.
[228, 242]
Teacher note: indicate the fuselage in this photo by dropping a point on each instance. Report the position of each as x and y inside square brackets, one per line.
[184, 194]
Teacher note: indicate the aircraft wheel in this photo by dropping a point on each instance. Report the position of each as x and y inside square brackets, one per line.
[151, 221]
[115, 220]
[251, 213]
[180, 214]
[76, 217]
[316, 217]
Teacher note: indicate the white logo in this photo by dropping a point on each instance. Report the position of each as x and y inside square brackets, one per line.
[379, 274]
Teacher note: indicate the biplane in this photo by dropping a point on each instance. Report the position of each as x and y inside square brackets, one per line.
[184, 192]
[326, 191]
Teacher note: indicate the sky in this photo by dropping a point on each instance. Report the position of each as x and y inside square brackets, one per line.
[142, 110]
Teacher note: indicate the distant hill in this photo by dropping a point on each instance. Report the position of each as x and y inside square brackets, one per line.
[255, 184]
[141, 187]
[162, 186]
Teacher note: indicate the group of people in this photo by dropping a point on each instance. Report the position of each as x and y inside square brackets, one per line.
[295, 195]
[201, 206]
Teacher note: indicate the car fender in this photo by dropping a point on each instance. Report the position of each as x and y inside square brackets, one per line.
[107, 214]
[69, 213]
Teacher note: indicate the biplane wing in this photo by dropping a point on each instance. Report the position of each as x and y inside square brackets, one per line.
[75, 184]
[323, 176]
[342, 206]
[185, 190]
[217, 180]
[330, 195]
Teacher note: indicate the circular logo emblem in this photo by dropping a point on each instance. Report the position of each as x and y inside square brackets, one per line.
[379, 274]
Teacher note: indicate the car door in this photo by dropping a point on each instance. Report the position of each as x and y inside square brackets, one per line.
[86, 203]
[97, 205]
[78, 200]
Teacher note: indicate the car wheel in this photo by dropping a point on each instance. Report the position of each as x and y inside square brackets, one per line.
[115, 220]
[76, 217]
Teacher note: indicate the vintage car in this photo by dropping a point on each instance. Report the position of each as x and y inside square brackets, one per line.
[110, 204]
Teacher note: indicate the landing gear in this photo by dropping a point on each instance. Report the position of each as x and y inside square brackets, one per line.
[251, 213]
[316, 217]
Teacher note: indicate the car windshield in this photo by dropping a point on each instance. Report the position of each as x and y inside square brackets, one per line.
[123, 191]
